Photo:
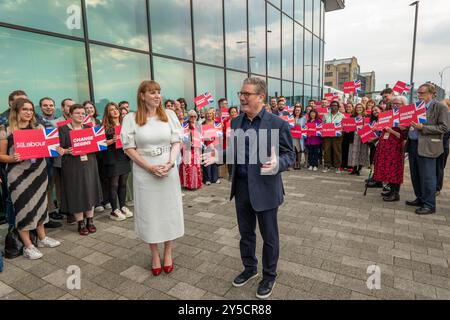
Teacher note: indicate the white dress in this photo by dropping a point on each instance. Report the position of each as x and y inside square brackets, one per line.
[158, 204]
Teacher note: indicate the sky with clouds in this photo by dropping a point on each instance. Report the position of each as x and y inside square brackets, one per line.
[380, 34]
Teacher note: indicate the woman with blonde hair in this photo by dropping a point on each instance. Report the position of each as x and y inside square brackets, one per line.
[27, 181]
[151, 138]
[358, 155]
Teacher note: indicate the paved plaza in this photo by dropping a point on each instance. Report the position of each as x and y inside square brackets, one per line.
[330, 234]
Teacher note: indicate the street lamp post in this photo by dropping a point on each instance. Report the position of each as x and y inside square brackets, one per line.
[415, 3]
[441, 74]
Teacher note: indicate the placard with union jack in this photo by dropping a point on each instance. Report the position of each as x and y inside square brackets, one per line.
[36, 144]
[204, 100]
[89, 140]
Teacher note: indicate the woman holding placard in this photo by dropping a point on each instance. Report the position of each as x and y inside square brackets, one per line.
[117, 164]
[80, 179]
[358, 155]
[151, 138]
[27, 181]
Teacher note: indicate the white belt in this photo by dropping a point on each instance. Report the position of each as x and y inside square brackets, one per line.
[153, 152]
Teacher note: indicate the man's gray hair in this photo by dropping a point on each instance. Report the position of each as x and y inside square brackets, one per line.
[260, 84]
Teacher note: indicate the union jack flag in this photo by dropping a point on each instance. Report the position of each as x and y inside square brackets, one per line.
[331, 96]
[204, 100]
[421, 111]
[304, 131]
[338, 129]
[291, 120]
[395, 117]
[100, 138]
[219, 128]
[289, 109]
[87, 121]
[402, 88]
[357, 85]
[319, 130]
[52, 137]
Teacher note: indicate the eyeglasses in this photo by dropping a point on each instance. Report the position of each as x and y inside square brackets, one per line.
[27, 110]
[246, 94]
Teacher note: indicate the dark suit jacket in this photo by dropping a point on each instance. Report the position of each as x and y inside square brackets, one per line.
[266, 191]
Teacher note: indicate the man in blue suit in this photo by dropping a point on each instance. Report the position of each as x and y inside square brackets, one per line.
[260, 148]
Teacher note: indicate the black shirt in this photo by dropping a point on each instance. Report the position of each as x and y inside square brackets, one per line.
[242, 169]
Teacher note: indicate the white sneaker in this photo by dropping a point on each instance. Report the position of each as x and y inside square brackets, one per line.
[315, 169]
[117, 215]
[32, 253]
[208, 183]
[127, 212]
[218, 182]
[99, 209]
[310, 168]
[108, 206]
[48, 243]
[325, 170]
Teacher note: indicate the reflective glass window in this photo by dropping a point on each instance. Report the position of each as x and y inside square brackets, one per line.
[123, 23]
[234, 85]
[288, 92]
[309, 14]
[307, 94]
[61, 16]
[288, 47]
[257, 34]
[208, 28]
[288, 7]
[210, 80]
[176, 79]
[316, 62]
[117, 74]
[171, 28]
[298, 93]
[315, 93]
[317, 17]
[308, 57]
[273, 41]
[299, 11]
[42, 66]
[276, 3]
[236, 34]
[274, 88]
[298, 53]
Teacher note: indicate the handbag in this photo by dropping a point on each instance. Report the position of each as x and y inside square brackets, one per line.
[14, 244]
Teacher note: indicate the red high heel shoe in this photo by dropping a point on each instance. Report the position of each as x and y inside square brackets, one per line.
[156, 271]
[168, 269]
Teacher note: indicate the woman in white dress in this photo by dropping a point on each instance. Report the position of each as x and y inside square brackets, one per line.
[151, 138]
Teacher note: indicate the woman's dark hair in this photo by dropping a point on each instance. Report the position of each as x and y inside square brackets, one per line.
[231, 108]
[182, 100]
[167, 101]
[107, 121]
[95, 108]
[315, 115]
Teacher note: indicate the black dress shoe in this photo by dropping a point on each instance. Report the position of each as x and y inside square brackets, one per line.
[56, 216]
[425, 210]
[415, 203]
[265, 289]
[243, 278]
[386, 193]
[392, 197]
[53, 224]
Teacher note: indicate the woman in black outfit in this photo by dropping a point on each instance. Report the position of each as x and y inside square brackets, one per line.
[117, 165]
[347, 139]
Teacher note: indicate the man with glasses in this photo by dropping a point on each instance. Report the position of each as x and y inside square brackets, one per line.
[256, 182]
[424, 146]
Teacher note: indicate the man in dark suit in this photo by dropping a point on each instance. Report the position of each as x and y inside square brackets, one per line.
[424, 146]
[260, 148]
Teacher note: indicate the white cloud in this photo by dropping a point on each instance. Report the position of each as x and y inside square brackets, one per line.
[380, 34]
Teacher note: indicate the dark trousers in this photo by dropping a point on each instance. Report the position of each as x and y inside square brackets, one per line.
[268, 226]
[423, 175]
[313, 155]
[332, 151]
[211, 173]
[440, 166]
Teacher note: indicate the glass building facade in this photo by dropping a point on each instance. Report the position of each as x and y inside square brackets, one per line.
[101, 50]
